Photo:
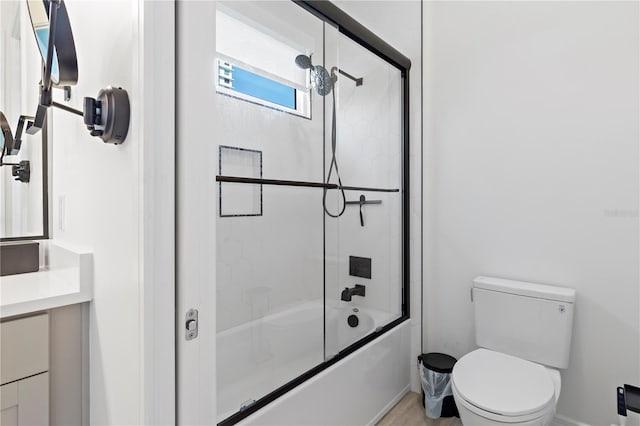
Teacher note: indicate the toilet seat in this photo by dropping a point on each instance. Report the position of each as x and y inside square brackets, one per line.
[502, 387]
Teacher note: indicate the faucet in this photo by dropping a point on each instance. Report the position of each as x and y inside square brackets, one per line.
[358, 290]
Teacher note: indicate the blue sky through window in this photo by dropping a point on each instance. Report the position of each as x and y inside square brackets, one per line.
[263, 88]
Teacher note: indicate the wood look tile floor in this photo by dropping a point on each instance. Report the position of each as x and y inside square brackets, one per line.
[409, 412]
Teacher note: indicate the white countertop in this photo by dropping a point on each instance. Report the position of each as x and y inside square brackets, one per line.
[67, 279]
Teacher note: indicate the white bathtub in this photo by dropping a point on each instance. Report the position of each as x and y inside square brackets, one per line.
[258, 357]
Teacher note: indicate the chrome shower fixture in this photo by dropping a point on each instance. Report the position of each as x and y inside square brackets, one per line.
[304, 61]
[106, 116]
[321, 79]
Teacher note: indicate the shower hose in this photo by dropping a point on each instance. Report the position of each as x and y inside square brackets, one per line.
[334, 164]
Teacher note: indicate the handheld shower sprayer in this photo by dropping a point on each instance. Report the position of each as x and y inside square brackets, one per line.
[321, 79]
[324, 81]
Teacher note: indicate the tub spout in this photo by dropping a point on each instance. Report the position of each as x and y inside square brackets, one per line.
[358, 290]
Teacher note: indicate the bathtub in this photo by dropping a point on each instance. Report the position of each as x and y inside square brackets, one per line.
[256, 358]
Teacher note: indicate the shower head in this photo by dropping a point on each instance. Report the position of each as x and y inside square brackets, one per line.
[304, 62]
[321, 79]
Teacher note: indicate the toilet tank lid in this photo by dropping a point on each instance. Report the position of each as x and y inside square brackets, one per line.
[522, 288]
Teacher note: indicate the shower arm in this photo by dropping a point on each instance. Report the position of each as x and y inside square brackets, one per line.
[358, 81]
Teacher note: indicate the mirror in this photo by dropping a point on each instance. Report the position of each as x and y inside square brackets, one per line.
[64, 67]
[24, 206]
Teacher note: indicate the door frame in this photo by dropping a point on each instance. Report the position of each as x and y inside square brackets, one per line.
[195, 237]
[156, 114]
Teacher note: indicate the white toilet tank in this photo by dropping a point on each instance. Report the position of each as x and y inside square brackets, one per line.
[530, 321]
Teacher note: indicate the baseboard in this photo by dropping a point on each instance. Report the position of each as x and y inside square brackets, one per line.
[389, 406]
[560, 420]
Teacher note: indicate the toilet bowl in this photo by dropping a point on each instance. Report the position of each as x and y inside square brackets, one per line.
[491, 387]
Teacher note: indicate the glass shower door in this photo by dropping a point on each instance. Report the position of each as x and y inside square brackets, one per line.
[309, 225]
[269, 223]
[363, 259]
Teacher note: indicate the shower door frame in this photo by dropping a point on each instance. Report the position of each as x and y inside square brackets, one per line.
[346, 25]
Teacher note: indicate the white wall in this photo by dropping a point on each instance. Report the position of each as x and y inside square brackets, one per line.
[101, 187]
[532, 173]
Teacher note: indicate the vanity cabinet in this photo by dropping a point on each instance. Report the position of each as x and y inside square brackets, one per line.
[25, 402]
[24, 371]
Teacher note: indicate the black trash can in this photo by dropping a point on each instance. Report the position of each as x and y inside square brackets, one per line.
[435, 377]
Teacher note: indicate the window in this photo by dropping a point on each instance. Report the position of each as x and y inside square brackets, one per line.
[248, 85]
[257, 65]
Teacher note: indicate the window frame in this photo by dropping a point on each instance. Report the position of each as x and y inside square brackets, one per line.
[302, 97]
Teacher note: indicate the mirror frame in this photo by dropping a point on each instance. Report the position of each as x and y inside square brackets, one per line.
[7, 144]
[45, 192]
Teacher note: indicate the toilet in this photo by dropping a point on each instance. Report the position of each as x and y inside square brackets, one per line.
[524, 334]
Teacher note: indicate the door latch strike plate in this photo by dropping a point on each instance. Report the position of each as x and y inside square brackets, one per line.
[191, 324]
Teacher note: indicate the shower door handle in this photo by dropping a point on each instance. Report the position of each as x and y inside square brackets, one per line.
[361, 202]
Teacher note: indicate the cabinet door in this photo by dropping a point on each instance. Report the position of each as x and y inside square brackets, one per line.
[24, 347]
[9, 404]
[33, 400]
[25, 402]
